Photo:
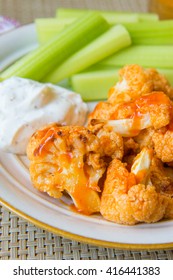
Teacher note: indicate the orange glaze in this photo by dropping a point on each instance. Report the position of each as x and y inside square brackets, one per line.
[128, 109]
[82, 194]
[131, 180]
[76, 210]
[47, 139]
[136, 127]
[155, 98]
[135, 109]
[78, 188]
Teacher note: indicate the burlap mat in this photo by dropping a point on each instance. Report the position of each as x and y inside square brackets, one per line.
[27, 10]
[20, 239]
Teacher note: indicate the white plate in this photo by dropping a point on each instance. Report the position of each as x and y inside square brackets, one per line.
[17, 193]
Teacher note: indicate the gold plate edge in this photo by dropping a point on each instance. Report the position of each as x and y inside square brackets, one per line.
[80, 238]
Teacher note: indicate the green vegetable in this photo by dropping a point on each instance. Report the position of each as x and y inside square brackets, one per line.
[45, 58]
[112, 17]
[108, 43]
[157, 33]
[150, 17]
[48, 27]
[142, 33]
[146, 56]
[94, 83]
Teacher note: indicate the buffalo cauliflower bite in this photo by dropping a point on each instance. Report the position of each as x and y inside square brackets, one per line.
[71, 159]
[144, 138]
[161, 177]
[103, 110]
[121, 165]
[130, 147]
[129, 118]
[160, 83]
[136, 81]
[129, 197]
[163, 143]
[140, 93]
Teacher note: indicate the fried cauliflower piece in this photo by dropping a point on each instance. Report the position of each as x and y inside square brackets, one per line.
[138, 91]
[103, 110]
[144, 139]
[160, 83]
[129, 197]
[71, 159]
[136, 81]
[111, 142]
[161, 177]
[130, 147]
[163, 143]
[158, 106]
[152, 110]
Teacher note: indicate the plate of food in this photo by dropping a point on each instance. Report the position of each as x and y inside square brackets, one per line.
[97, 172]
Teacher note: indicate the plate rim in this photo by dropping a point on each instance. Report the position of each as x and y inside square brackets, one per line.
[80, 238]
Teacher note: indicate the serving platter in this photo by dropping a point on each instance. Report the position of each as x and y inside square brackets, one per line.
[18, 194]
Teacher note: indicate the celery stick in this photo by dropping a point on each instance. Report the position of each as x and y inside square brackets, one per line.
[48, 27]
[94, 83]
[45, 58]
[111, 16]
[108, 43]
[148, 17]
[159, 33]
[147, 56]
[141, 33]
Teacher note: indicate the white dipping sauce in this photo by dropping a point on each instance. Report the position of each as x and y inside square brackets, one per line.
[27, 105]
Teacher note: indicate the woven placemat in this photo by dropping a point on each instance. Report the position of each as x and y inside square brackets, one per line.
[27, 10]
[22, 240]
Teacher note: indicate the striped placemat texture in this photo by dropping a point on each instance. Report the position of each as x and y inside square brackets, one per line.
[20, 239]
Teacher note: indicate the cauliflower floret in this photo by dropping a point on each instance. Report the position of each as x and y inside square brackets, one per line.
[71, 159]
[153, 110]
[134, 81]
[140, 94]
[130, 146]
[103, 110]
[111, 142]
[161, 177]
[158, 106]
[163, 143]
[144, 138]
[160, 83]
[130, 198]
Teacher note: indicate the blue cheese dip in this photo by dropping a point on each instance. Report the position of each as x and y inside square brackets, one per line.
[27, 105]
